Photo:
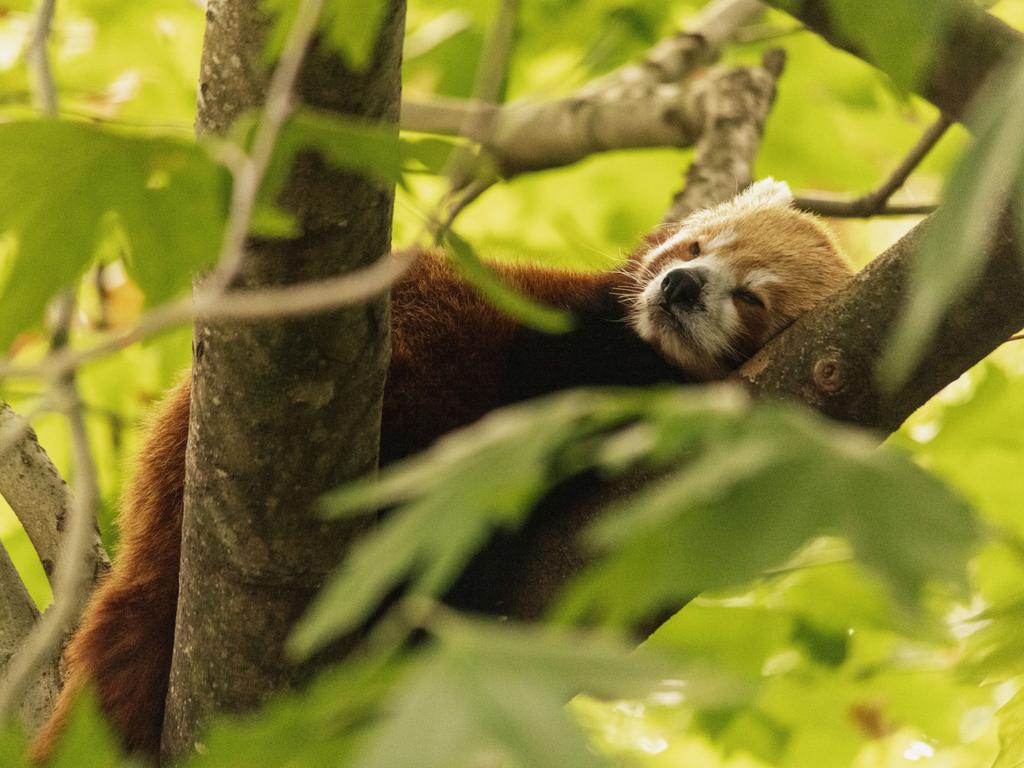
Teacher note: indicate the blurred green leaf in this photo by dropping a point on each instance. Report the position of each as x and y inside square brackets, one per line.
[13, 749]
[498, 690]
[347, 27]
[900, 36]
[1011, 733]
[57, 183]
[322, 726]
[436, 532]
[742, 489]
[680, 536]
[955, 246]
[484, 279]
[87, 740]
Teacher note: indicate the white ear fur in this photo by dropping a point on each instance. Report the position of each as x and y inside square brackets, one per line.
[766, 193]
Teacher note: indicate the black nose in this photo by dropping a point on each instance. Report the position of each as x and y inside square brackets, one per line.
[683, 286]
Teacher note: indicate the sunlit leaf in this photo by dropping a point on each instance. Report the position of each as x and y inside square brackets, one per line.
[484, 279]
[1011, 733]
[499, 691]
[57, 183]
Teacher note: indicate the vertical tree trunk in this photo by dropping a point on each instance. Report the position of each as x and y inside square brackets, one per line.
[282, 410]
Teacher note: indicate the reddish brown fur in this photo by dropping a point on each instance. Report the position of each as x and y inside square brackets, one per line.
[442, 376]
[454, 358]
[123, 646]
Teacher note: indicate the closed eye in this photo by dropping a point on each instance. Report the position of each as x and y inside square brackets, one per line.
[748, 297]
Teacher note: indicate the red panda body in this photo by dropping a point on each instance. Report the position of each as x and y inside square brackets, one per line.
[674, 314]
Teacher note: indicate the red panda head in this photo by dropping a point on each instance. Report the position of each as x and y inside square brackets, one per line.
[709, 291]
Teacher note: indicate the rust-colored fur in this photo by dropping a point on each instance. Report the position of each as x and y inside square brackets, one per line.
[123, 645]
[454, 358]
[450, 352]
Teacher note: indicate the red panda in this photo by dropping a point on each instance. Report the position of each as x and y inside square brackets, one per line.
[692, 304]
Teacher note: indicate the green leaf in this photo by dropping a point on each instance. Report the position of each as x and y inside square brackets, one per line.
[781, 479]
[456, 499]
[322, 726]
[1011, 733]
[900, 36]
[485, 280]
[495, 690]
[13, 749]
[739, 491]
[87, 741]
[347, 27]
[955, 245]
[58, 181]
[373, 150]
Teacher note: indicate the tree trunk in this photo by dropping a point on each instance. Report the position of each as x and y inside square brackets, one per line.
[282, 410]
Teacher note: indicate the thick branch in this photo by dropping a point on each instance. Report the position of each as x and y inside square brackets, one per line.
[827, 359]
[37, 494]
[647, 104]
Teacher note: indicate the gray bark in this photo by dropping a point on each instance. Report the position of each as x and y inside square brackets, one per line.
[282, 410]
[18, 615]
[40, 499]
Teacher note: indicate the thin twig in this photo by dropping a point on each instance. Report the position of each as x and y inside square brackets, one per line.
[248, 178]
[853, 209]
[287, 301]
[44, 90]
[459, 202]
[478, 122]
[876, 202]
[73, 574]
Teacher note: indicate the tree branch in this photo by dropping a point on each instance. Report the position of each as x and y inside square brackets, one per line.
[736, 104]
[875, 203]
[44, 90]
[678, 56]
[827, 358]
[18, 615]
[74, 574]
[647, 104]
[31, 485]
[251, 554]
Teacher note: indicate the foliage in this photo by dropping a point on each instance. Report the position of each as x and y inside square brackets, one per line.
[739, 490]
[153, 185]
[950, 260]
[795, 653]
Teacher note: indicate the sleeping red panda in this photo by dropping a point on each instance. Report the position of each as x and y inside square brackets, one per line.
[692, 304]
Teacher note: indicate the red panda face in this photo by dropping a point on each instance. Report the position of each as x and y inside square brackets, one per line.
[710, 291]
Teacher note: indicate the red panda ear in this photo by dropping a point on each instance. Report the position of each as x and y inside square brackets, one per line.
[766, 193]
